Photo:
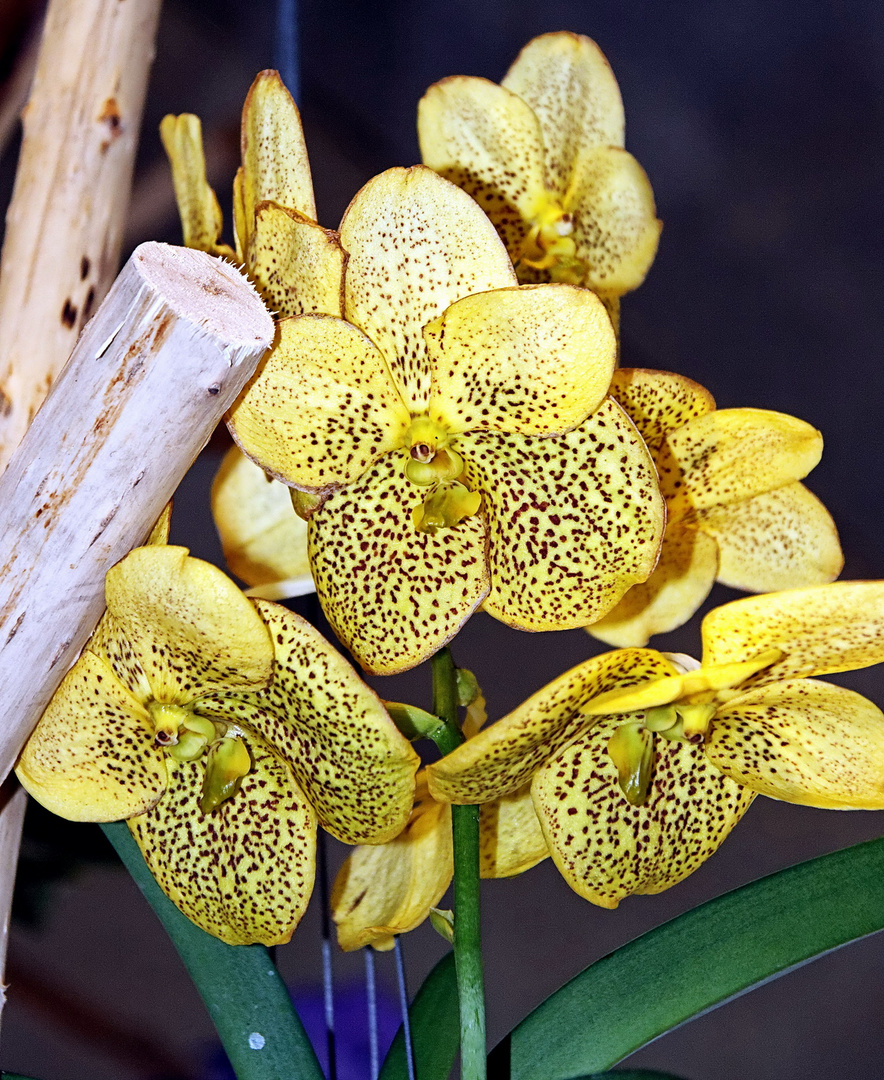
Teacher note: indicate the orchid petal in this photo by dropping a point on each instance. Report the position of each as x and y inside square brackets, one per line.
[804, 742]
[730, 455]
[92, 756]
[574, 520]
[178, 628]
[783, 539]
[488, 141]
[264, 540]
[511, 840]
[389, 889]
[416, 243]
[201, 218]
[392, 594]
[297, 266]
[274, 157]
[820, 630]
[682, 580]
[605, 847]
[569, 85]
[504, 756]
[616, 230]
[243, 872]
[658, 402]
[533, 360]
[322, 409]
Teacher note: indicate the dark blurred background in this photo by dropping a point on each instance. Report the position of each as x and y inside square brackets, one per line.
[760, 126]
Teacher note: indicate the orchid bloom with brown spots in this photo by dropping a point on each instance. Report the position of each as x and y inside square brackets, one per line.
[452, 435]
[641, 763]
[224, 730]
[736, 510]
[543, 156]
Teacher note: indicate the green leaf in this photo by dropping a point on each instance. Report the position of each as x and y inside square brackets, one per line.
[247, 1000]
[435, 1028]
[695, 962]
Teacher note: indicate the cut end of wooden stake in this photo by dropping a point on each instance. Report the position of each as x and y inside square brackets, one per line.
[206, 291]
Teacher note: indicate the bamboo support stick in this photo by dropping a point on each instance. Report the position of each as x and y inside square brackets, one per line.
[66, 218]
[168, 352]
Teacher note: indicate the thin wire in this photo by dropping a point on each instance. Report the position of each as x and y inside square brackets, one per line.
[328, 990]
[372, 995]
[285, 46]
[403, 1004]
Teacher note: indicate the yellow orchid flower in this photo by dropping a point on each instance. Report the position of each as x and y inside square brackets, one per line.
[454, 432]
[737, 512]
[543, 156]
[264, 541]
[640, 766]
[223, 730]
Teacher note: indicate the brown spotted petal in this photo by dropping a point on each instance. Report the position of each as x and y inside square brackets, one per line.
[511, 840]
[198, 207]
[92, 756]
[820, 630]
[243, 872]
[536, 360]
[783, 539]
[322, 408]
[573, 520]
[658, 402]
[682, 580]
[416, 243]
[805, 742]
[569, 85]
[393, 595]
[178, 628]
[486, 140]
[389, 889]
[297, 266]
[503, 757]
[606, 848]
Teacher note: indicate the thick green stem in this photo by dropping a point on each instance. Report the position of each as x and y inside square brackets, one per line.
[245, 996]
[467, 934]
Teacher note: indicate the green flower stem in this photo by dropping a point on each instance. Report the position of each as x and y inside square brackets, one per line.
[467, 933]
[247, 1000]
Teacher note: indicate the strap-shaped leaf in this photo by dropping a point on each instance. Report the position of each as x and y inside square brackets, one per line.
[245, 996]
[695, 962]
[435, 1028]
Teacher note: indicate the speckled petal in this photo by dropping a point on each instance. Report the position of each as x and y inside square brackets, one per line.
[393, 595]
[264, 540]
[658, 402]
[784, 539]
[616, 230]
[511, 840]
[805, 742]
[730, 455]
[178, 628]
[245, 871]
[681, 582]
[536, 360]
[201, 218]
[821, 629]
[574, 520]
[503, 757]
[297, 266]
[416, 243]
[569, 84]
[486, 140]
[322, 408]
[347, 754]
[607, 849]
[274, 158]
[389, 889]
[92, 756]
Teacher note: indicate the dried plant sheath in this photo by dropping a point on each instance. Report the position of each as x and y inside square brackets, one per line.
[169, 350]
